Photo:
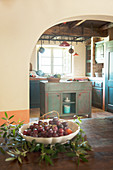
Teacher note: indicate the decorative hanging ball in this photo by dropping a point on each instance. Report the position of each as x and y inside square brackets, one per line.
[41, 50]
[71, 50]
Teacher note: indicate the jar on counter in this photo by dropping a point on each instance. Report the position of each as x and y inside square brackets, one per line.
[66, 109]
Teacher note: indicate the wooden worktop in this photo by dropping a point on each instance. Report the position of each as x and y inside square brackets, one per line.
[37, 78]
[99, 133]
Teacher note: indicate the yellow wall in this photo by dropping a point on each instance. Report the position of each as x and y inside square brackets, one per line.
[21, 24]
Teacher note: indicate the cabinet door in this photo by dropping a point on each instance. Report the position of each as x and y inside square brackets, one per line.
[34, 93]
[109, 77]
[99, 53]
[53, 102]
[88, 60]
[97, 97]
[84, 103]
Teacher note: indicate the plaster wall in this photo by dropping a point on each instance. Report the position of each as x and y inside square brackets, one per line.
[21, 24]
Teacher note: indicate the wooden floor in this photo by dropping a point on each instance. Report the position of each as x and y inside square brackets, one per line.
[96, 113]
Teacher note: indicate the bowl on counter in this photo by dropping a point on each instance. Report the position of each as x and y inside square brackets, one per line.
[53, 80]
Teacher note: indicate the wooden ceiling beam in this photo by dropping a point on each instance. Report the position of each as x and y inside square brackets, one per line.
[107, 26]
[77, 31]
[78, 24]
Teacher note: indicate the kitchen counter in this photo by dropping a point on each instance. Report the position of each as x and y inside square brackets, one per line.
[96, 78]
[38, 78]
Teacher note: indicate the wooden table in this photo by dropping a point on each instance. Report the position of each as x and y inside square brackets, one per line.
[99, 134]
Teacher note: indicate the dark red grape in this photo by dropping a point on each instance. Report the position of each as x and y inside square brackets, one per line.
[55, 128]
[61, 130]
[65, 124]
[25, 132]
[31, 127]
[61, 134]
[55, 135]
[51, 122]
[40, 128]
[35, 131]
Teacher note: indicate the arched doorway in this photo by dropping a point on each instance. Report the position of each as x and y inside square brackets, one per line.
[84, 20]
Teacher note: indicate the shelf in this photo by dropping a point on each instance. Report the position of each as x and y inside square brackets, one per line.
[68, 102]
[68, 114]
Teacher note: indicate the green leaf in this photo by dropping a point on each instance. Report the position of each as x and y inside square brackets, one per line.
[71, 154]
[49, 151]
[14, 132]
[32, 149]
[1, 150]
[11, 154]
[83, 158]
[6, 115]
[19, 159]
[48, 160]
[4, 118]
[4, 135]
[3, 124]
[78, 162]
[10, 159]
[11, 117]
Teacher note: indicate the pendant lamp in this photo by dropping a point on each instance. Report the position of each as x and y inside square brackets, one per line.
[75, 54]
[41, 50]
[71, 49]
[64, 44]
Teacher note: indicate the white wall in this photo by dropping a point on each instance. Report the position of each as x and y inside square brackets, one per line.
[33, 59]
[79, 61]
[21, 24]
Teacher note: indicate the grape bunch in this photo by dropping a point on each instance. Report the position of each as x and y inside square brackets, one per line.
[53, 128]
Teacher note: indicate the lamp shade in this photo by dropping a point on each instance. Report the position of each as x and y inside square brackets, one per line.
[41, 50]
[75, 54]
[71, 50]
[64, 44]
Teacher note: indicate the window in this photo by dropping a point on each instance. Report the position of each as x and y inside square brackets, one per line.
[55, 60]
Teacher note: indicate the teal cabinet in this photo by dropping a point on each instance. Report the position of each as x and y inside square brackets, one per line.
[109, 77]
[53, 97]
[34, 93]
[53, 101]
[97, 97]
[84, 103]
[97, 93]
[88, 60]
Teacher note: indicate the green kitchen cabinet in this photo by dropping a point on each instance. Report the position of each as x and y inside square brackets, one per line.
[53, 102]
[84, 103]
[88, 60]
[53, 97]
[34, 93]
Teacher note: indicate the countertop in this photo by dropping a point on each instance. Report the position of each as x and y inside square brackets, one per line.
[65, 79]
[38, 78]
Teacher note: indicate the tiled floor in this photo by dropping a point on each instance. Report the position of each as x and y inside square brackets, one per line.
[96, 112]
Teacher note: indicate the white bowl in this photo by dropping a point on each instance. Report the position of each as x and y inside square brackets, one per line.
[51, 140]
